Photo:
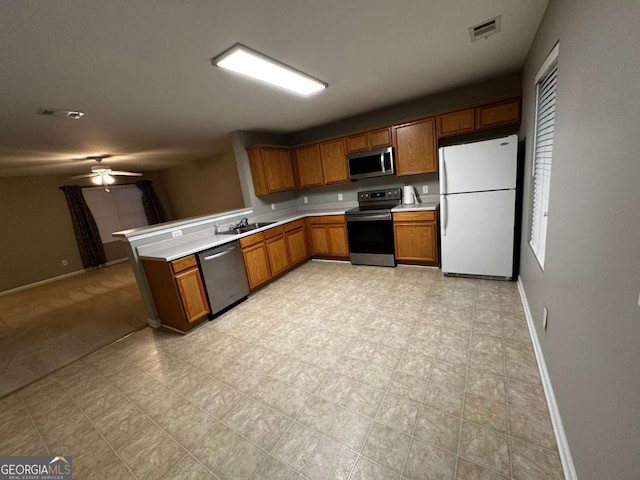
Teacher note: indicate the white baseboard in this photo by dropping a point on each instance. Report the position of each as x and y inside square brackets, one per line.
[561, 438]
[42, 282]
[60, 277]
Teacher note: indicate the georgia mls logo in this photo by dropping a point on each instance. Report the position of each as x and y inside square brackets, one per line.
[35, 468]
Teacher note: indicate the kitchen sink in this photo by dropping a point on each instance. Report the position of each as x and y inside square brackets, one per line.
[246, 228]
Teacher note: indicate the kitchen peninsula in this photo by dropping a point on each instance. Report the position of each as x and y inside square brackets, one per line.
[172, 241]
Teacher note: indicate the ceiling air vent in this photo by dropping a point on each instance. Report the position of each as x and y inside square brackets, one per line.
[484, 29]
[60, 113]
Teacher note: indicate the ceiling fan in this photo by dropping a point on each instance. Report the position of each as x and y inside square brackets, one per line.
[103, 175]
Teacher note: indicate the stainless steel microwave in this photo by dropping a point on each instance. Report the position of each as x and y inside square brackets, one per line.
[374, 163]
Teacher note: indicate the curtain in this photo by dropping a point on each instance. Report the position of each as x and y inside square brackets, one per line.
[151, 203]
[85, 228]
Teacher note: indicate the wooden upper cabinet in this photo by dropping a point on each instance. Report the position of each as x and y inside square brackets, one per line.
[334, 161]
[456, 123]
[358, 143]
[498, 114]
[308, 166]
[380, 138]
[364, 141]
[416, 147]
[278, 169]
[271, 169]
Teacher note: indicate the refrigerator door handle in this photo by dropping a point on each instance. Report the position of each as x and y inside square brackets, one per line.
[443, 172]
[443, 203]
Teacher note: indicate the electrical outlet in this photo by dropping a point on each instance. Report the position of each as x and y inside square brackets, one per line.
[639, 300]
[425, 189]
[340, 197]
[545, 317]
[305, 199]
[273, 206]
[65, 263]
[176, 233]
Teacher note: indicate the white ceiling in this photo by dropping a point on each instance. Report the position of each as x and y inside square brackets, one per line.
[141, 70]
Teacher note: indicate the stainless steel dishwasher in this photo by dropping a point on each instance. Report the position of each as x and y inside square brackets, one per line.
[224, 276]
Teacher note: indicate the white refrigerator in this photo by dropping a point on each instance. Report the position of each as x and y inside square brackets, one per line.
[477, 207]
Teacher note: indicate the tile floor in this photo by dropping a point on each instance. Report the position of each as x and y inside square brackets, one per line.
[333, 371]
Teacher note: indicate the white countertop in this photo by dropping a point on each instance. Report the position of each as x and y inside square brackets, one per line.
[416, 207]
[175, 248]
[169, 250]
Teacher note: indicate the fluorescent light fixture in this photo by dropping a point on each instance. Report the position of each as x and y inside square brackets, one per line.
[248, 62]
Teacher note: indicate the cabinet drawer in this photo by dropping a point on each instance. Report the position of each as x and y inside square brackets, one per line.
[273, 232]
[251, 239]
[429, 216]
[183, 263]
[326, 219]
[294, 225]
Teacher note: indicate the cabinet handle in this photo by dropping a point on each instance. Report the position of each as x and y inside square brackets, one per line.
[220, 254]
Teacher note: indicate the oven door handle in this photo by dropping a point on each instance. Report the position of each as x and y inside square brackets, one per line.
[370, 218]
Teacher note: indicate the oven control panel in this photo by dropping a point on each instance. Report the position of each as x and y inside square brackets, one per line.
[390, 194]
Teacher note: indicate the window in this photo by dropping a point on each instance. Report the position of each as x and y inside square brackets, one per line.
[119, 209]
[546, 82]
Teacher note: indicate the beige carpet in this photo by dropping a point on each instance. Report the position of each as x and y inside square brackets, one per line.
[48, 326]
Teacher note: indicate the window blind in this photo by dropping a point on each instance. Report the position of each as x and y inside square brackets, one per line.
[542, 157]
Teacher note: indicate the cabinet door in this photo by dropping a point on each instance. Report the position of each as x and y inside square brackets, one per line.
[297, 246]
[416, 242]
[416, 147]
[256, 164]
[334, 161]
[278, 255]
[319, 240]
[192, 295]
[286, 170]
[256, 262]
[498, 114]
[380, 138]
[278, 170]
[338, 245]
[456, 123]
[357, 143]
[309, 166]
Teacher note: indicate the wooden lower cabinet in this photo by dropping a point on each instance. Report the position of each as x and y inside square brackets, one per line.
[178, 292]
[256, 263]
[329, 236]
[416, 237]
[278, 254]
[296, 238]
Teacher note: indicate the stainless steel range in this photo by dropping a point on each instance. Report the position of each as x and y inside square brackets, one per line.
[370, 227]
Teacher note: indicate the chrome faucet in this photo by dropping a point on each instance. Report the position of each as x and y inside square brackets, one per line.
[242, 223]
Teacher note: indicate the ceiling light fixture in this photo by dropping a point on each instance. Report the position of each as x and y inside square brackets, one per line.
[248, 62]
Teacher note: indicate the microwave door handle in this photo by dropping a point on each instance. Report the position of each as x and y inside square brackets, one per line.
[382, 163]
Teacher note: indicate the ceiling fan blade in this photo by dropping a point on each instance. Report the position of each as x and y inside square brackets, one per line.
[86, 175]
[128, 174]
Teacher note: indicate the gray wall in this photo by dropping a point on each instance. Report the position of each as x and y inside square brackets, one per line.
[495, 88]
[591, 278]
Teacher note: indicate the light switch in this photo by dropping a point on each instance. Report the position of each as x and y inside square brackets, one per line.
[639, 300]
[305, 199]
[340, 197]
[273, 206]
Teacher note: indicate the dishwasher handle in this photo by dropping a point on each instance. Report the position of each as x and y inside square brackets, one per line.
[219, 254]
